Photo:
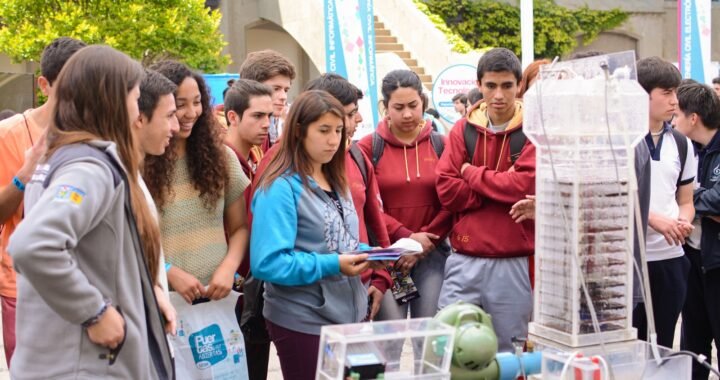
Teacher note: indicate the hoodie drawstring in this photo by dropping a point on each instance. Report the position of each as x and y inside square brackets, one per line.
[407, 172]
[502, 147]
[484, 147]
[417, 160]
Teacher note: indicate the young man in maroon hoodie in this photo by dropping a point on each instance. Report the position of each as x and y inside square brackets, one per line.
[248, 109]
[490, 266]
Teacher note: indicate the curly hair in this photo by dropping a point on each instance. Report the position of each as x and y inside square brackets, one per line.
[206, 158]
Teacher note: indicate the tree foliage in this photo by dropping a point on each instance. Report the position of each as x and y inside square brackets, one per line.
[147, 30]
[458, 44]
[492, 23]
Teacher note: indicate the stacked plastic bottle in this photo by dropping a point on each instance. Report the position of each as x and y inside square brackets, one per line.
[585, 117]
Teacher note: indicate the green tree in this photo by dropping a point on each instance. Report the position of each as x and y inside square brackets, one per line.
[492, 23]
[147, 30]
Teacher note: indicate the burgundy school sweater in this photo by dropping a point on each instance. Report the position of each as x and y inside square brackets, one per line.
[481, 197]
[406, 178]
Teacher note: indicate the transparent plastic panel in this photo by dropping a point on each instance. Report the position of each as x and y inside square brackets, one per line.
[592, 67]
[586, 102]
[585, 118]
[405, 349]
[628, 361]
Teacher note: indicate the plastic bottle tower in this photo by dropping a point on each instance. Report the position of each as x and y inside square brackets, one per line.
[585, 117]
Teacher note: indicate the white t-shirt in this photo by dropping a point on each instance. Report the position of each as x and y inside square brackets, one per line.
[664, 180]
[275, 130]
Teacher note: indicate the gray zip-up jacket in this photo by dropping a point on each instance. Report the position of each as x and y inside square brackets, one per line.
[77, 247]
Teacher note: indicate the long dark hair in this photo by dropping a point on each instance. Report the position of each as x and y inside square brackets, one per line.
[206, 158]
[401, 78]
[91, 104]
[307, 108]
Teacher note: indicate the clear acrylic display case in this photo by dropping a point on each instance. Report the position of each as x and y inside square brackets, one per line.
[632, 360]
[585, 117]
[407, 349]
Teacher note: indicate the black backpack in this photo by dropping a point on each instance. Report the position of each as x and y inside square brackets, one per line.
[682, 146]
[378, 145]
[357, 156]
[517, 141]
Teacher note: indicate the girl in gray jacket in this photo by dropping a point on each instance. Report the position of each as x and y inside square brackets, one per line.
[87, 251]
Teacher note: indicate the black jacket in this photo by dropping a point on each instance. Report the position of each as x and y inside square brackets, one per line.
[707, 203]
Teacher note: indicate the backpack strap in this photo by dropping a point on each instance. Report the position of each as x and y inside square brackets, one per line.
[470, 135]
[436, 139]
[357, 156]
[682, 145]
[517, 142]
[72, 152]
[378, 145]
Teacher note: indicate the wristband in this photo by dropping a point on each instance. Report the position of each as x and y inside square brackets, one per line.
[167, 267]
[96, 318]
[18, 184]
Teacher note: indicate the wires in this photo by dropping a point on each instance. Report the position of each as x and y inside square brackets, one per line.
[605, 366]
[518, 355]
[699, 358]
[604, 371]
[645, 289]
[569, 360]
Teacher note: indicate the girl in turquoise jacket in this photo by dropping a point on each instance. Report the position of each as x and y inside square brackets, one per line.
[303, 220]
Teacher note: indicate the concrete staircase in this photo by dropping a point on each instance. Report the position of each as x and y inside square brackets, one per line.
[385, 42]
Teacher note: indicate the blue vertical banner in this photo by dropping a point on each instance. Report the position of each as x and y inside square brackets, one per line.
[694, 26]
[350, 52]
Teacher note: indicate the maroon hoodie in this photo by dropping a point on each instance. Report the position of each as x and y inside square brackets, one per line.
[406, 177]
[482, 195]
[370, 215]
[368, 196]
[256, 156]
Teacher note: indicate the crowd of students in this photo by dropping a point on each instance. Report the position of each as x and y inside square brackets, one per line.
[125, 185]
